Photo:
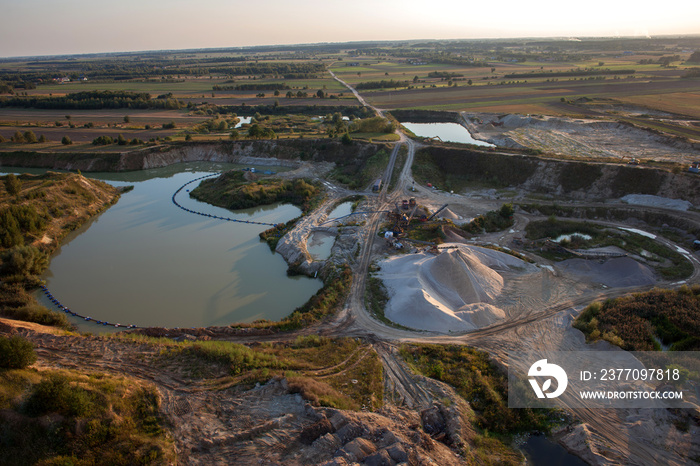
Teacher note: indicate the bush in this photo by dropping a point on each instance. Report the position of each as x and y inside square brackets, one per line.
[18, 221]
[16, 353]
[30, 137]
[102, 141]
[12, 184]
[23, 260]
[37, 314]
[17, 137]
[66, 141]
[495, 220]
[56, 395]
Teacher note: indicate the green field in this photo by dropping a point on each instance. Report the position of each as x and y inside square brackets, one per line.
[545, 76]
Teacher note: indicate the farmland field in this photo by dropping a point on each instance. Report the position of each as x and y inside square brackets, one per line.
[547, 77]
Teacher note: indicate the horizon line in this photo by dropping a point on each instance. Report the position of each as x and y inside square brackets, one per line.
[349, 43]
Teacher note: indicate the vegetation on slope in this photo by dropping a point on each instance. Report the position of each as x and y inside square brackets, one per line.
[67, 417]
[494, 220]
[231, 190]
[344, 373]
[484, 386]
[636, 322]
[36, 212]
[455, 169]
[336, 286]
[360, 173]
[667, 262]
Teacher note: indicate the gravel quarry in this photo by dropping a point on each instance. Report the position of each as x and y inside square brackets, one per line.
[584, 138]
[466, 287]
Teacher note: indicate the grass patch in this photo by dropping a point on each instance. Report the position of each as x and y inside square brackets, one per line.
[65, 417]
[338, 372]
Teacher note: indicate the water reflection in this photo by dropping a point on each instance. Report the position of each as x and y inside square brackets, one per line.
[447, 132]
[146, 262]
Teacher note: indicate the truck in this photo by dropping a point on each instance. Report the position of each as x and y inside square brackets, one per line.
[377, 185]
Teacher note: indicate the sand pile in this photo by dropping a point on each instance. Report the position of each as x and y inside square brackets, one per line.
[453, 291]
[656, 201]
[618, 272]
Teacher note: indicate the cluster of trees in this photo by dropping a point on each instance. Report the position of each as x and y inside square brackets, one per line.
[634, 322]
[312, 110]
[444, 75]
[216, 125]
[21, 262]
[261, 132]
[495, 220]
[695, 57]
[28, 137]
[154, 66]
[253, 87]
[232, 191]
[18, 222]
[445, 58]
[577, 72]
[286, 70]
[16, 352]
[372, 125]
[107, 140]
[93, 100]
[691, 73]
[383, 84]
[663, 61]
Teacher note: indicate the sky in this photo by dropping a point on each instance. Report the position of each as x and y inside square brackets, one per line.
[54, 27]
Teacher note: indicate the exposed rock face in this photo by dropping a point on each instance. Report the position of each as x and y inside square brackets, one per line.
[286, 153]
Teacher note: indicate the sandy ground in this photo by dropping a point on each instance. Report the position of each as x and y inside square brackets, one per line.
[656, 201]
[578, 138]
[464, 288]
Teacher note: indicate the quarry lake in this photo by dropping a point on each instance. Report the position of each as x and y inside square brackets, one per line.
[146, 262]
[447, 132]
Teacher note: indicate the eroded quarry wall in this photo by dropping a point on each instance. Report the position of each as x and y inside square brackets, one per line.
[575, 180]
[288, 152]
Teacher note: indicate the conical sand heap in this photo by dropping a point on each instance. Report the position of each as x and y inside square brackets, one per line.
[451, 292]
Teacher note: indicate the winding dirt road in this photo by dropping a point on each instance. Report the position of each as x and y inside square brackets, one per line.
[508, 336]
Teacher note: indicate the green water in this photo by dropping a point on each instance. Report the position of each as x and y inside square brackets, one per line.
[147, 262]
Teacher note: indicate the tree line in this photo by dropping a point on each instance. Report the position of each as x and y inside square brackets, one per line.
[559, 74]
[94, 100]
[253, 87]
[383, 84]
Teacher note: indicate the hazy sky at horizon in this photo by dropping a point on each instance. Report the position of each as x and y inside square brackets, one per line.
[50, 27]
